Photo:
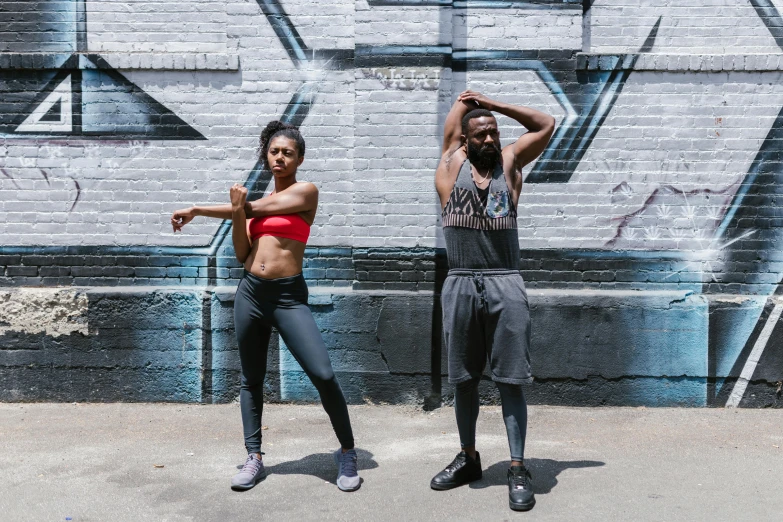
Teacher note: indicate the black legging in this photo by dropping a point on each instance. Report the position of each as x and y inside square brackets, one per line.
[259, 305]
[466, 406]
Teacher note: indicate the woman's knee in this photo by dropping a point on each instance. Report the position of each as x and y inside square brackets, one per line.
[323, 378]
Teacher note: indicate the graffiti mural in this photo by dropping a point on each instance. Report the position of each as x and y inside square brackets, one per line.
[655, 180]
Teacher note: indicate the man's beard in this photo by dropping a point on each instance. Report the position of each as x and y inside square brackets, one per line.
[484, 157]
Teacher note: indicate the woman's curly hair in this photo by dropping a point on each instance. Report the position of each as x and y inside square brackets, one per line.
[278, 128]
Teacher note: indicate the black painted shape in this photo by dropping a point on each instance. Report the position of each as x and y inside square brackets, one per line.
[586, 5]
[402, 55]
[112, 106]
[22, 91]
[649, 42]
[285, 30]
[55, 113]
[752, 228]
[333, 59]
[81, 26]
[105, 104]
[571, 142]
[206, 349]
[769, 14]
[770, 366]
[76, 101]
[719, 396]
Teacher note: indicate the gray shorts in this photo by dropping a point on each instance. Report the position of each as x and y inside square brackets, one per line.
[486, 316]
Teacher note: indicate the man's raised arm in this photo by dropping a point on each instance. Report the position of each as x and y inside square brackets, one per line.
[452, 128]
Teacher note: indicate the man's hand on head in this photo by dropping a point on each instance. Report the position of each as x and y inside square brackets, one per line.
[472, 97]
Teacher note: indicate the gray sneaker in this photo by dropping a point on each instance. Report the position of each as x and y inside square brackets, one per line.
[252, 473]
[347, 476]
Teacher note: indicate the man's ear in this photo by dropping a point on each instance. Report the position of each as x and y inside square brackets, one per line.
[463, 139]
[301, 159]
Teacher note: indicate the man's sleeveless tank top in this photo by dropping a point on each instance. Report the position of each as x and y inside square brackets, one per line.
[478, 235]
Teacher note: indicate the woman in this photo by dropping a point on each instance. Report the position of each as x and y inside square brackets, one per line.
[273, 293]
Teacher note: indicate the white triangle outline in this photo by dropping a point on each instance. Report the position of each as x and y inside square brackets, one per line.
[61, 93]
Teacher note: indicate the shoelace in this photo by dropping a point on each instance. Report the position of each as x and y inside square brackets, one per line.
[349, 464]
[251, 465]
[455, 463]
[519, 480]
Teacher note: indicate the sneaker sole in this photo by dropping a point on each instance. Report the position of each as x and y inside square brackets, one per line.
[347, 490]
[439, 486]
[522, 507]
[251, 486]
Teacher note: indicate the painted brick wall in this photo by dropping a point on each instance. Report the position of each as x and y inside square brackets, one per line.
[700, 26]
[664, 173]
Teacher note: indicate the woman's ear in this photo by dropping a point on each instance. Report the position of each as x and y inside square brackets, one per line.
[301, 159]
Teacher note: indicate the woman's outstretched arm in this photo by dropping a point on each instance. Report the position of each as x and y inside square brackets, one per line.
[182, 217]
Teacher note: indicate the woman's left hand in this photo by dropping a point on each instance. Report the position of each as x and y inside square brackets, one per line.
[238, 197]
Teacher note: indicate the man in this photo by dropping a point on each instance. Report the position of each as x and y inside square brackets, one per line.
[485, 308]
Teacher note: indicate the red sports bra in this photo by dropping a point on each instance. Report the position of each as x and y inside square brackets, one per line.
[290, 226]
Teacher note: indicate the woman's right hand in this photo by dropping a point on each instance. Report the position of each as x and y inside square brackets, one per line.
[238, 195]
[182, 217]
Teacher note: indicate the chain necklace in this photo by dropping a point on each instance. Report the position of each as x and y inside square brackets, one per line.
[484, 178]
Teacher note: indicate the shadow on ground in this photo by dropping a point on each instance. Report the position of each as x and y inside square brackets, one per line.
[319, 465]
[544, 471]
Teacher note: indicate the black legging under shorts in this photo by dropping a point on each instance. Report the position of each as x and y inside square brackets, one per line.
[261, 304]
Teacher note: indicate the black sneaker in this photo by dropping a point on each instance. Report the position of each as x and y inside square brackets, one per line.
[462, 470]
[520, 489]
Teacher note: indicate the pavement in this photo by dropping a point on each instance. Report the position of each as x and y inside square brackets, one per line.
[171, 462]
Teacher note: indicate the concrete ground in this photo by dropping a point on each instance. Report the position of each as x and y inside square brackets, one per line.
[109, 462]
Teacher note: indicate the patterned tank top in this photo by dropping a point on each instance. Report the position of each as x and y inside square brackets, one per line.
[481, 235]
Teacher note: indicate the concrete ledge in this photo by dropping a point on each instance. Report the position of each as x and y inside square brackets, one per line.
[589, 347]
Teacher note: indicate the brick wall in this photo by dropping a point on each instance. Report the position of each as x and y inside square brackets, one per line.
[663, 174]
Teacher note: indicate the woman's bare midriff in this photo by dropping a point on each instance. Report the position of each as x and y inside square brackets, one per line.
[272, 257]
